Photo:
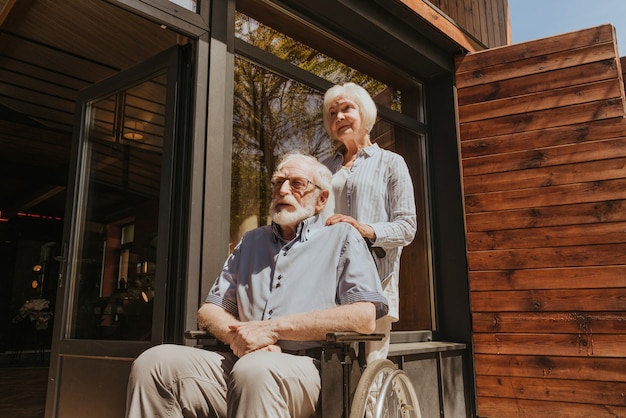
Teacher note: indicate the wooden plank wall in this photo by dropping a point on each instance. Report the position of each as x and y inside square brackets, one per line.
[543, 153]
[486, 20]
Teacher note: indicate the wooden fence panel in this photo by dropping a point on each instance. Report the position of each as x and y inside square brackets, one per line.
[543, 153]
[574, 345]
[523, 408]
[575, 391]
[566, 168]
[599, 130]
[579, 214]
[550, 322]
[576, 277]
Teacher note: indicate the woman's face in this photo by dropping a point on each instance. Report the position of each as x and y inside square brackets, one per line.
[345, 120]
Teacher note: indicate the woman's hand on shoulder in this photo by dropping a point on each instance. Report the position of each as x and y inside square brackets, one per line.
[365, 230]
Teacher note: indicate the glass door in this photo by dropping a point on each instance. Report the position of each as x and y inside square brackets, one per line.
[113, 301]
[115, 243]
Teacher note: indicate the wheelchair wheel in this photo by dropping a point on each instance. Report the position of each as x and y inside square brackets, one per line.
[384, 391]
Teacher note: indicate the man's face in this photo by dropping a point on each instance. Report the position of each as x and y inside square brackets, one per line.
[294, 195]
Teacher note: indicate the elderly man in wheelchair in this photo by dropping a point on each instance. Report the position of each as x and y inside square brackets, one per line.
[285, 290]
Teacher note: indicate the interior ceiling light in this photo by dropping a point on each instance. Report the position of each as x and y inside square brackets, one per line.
[132, 133]
[133, 136]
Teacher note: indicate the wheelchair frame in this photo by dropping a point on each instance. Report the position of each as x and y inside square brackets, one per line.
[380, 390]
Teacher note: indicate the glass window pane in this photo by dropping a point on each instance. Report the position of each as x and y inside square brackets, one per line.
[272, 115]
[117, 226]
[305, 57]
[187, 4]
[263, 131]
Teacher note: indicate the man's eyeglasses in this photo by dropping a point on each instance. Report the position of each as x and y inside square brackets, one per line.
[299, 184]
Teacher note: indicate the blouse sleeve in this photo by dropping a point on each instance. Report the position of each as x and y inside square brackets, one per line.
[401, 227]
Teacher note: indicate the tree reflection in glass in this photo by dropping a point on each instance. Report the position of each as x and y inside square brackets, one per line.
[275, 114]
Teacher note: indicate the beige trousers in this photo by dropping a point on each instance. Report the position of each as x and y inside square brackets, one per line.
[179, 381]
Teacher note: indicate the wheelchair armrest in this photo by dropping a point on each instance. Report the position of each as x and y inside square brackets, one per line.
[351, 337]
[198, 335]
[206, 340]
[331, 337]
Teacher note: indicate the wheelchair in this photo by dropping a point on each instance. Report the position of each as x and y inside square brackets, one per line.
[380, 390]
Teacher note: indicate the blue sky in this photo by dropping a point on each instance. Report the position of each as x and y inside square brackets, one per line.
[534, 19]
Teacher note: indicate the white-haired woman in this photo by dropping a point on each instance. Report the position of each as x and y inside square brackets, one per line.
[373, 192]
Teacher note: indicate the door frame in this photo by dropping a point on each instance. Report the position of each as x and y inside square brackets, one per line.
[63, 345]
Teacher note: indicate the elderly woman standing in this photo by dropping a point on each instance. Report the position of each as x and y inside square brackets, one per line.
[373, 192]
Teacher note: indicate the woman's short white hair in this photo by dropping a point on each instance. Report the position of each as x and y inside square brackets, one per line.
[359, 95]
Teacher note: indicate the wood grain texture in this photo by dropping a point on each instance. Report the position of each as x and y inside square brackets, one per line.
[473, 24]
[543, 156]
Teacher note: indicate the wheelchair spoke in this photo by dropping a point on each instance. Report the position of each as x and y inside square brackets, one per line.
[384, 391]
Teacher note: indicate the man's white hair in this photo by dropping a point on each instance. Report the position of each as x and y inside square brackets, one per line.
[322, 178]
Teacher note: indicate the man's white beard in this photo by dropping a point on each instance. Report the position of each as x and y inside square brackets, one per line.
[286, 217]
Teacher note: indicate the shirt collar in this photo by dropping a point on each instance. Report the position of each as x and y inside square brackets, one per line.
[335, 161]
[304, 229]
[367, 152]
